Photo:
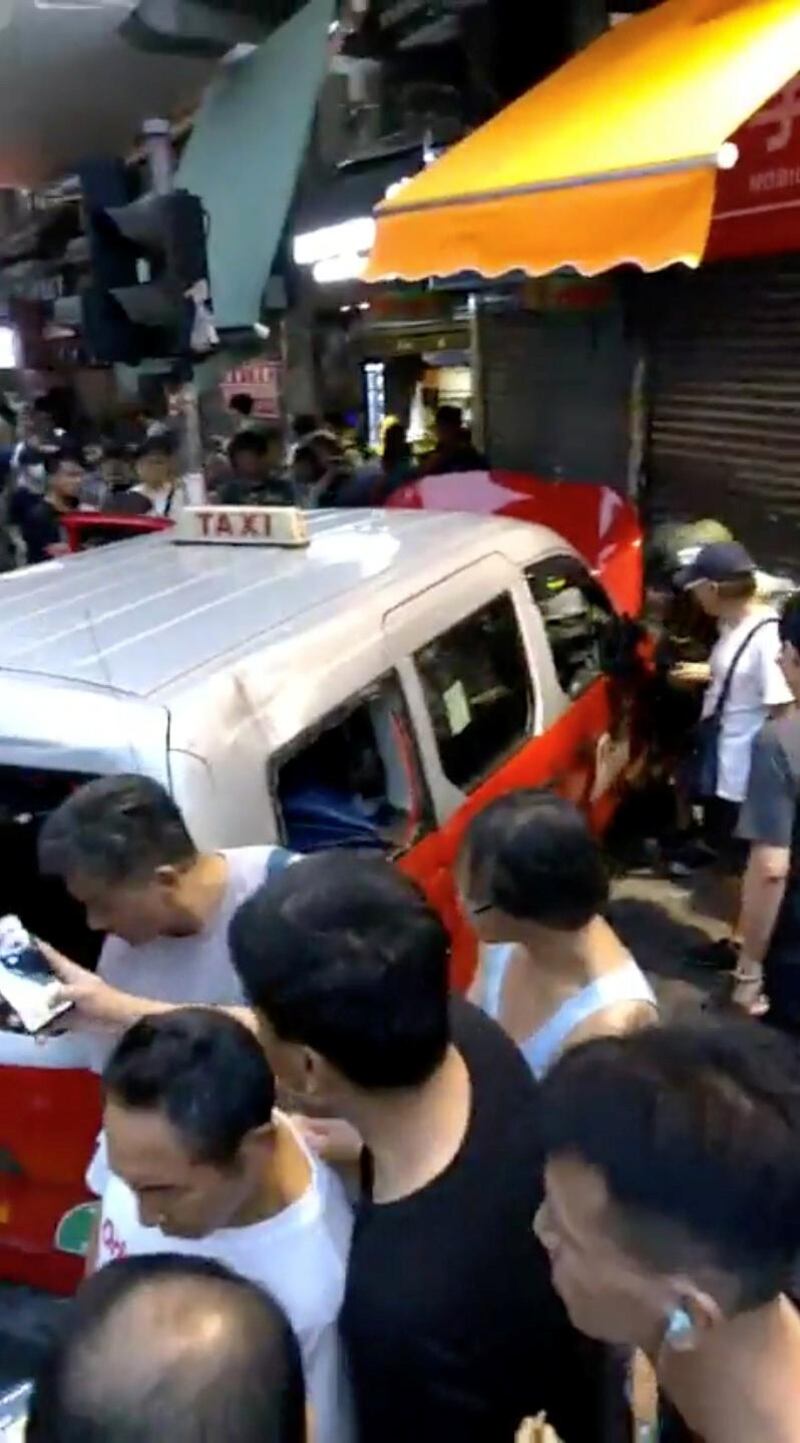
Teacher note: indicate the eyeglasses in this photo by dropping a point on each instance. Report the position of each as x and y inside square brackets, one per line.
[478, 909]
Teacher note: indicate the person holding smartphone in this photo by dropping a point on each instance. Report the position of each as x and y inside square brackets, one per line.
[124, 852]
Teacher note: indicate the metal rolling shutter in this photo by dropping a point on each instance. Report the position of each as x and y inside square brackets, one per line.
[725, 402]
[556, 394]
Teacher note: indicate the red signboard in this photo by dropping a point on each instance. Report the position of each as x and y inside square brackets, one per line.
[757, 208]
[262, 381]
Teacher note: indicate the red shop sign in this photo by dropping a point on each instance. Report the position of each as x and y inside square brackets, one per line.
[757, 207]
[262, 381]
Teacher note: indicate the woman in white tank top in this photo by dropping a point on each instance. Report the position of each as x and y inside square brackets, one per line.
[553, 972]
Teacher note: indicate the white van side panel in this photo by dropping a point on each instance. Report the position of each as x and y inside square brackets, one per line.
[54, 725]
[236, 724]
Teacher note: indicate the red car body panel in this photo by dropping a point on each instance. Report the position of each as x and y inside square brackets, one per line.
[87, 528]
[599, 523]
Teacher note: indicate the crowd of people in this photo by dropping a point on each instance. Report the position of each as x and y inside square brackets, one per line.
[48, 475]
[338, 1202]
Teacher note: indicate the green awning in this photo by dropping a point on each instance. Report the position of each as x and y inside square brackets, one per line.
[245, 152]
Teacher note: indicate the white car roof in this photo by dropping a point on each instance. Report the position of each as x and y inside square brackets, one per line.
[136, 616]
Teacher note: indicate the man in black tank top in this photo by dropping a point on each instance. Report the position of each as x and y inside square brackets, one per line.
[453, 1329]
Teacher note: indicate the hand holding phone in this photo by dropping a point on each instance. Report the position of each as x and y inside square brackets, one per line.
[27, 981]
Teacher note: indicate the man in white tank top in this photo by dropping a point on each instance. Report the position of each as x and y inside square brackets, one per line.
[553, 972]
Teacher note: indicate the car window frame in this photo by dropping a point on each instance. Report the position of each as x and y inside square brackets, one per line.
[547, 564]
[329, 722]
[466, 788]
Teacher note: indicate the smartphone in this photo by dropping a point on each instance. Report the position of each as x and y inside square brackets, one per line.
[27, 981]
[14, 1408]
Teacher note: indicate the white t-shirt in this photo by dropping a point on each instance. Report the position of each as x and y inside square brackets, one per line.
[758, 684]
[194, 971]
[168, 502]
[299, 1257]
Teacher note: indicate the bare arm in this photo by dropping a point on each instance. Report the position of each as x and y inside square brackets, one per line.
[98, 1004]
[691, 673]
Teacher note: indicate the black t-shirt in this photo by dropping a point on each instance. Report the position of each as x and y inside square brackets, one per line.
[272, 490]
[452, 1326]
[40, 528]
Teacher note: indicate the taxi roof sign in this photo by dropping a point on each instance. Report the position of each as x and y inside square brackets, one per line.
[241, 526]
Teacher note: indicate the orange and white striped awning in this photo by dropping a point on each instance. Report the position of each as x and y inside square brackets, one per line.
[612, 159]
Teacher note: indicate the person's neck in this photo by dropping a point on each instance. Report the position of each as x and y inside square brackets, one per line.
[733, 612]
[743, 1383]
[567, 961]
[282, 1182]
[413, 1135]
[202, 891]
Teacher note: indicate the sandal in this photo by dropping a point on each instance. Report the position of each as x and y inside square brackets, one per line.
[748, 993]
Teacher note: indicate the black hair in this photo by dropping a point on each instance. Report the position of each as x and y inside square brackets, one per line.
[244, 1386]
[203, 1070]
[395, 444]
[118, 829]
[307, 456]
[32, 456]
[790, 622]
[242, 402]
[531, 855]
[343, 954]
[696, 1132]
[156, 446]
[448, 415]
[254, 441]
[304, 425]
[63, 455]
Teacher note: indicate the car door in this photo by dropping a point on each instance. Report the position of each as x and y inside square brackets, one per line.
[467, 659]
[594, 732]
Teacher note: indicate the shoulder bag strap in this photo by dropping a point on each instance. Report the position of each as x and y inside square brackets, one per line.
[728, 682]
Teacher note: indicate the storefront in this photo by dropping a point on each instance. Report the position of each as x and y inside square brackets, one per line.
[724, 352]
[631, 159]
[390, 351]
[414, 350]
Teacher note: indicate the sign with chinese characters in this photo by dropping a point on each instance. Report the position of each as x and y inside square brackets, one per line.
[757, 208]
[262, 381]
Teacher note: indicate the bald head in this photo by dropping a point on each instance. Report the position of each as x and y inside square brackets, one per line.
[171, 1347]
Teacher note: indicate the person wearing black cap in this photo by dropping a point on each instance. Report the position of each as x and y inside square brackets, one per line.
[744, 686]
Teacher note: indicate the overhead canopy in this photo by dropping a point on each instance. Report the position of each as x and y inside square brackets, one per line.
[355, 190]
[245, 152]
[612, 159]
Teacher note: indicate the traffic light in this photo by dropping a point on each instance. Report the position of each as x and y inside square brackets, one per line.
[147, 254]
